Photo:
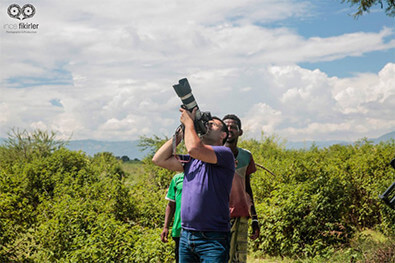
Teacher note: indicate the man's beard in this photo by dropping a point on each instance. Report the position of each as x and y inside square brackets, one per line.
[231, 140]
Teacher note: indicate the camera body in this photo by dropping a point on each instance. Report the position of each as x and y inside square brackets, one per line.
[184, 92]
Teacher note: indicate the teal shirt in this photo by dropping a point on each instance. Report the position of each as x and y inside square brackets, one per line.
[174, 195]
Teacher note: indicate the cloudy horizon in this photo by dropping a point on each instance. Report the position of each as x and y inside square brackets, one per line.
[299, 70]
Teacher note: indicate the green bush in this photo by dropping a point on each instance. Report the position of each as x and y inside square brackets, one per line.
[149, 248]
[320, 197]
[58, 205]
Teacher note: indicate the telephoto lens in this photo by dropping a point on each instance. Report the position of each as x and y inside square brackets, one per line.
[184, 91]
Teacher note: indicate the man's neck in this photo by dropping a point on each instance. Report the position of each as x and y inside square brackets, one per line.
[212, 143]
[233, 147]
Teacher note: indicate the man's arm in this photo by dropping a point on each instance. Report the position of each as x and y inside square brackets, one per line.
[194, 145]
[164, 156]
[170, 208]
[254, 217]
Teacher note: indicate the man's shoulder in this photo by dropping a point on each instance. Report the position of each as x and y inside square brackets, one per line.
[223, 150]
[179, 177]
[225, 156]
[243, 151]
[176, 176]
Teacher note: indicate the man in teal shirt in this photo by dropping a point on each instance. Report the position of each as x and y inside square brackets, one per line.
[173, 208]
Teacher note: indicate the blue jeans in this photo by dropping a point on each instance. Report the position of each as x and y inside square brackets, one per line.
[196, 246]
[177, 240]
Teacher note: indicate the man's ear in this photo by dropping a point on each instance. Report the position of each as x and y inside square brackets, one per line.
[223, 136]
[241, 132]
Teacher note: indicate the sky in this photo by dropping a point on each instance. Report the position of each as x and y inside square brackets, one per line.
[104, 70]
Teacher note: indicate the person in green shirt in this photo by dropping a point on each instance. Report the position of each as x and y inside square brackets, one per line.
[173, 208]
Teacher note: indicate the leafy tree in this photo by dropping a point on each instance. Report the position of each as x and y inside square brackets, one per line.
[161, 177]
[365, 6]
[125, 158]
[151, 144]
[24, 145]
[61, 205]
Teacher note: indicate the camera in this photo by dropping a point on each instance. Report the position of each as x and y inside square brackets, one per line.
[184, 92]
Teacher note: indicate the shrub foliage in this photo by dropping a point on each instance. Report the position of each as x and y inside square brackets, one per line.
[58, 205]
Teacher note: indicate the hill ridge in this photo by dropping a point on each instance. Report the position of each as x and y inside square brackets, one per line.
[130, 147]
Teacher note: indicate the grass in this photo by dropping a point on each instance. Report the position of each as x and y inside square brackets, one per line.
[268, 260]
[367, 246]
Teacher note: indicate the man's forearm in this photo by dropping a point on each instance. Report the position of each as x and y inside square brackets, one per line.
[254, 216]
[249, 192]
[170, 208]
[191, 139]
[165, 159]
[196, 148]
[164, 153]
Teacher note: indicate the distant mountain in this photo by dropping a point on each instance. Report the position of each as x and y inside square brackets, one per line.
[323, 144]
[385, 137]
[308, 144]
[118, 148]
[131, 149]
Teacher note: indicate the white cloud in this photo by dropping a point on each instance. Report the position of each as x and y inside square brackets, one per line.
[313, 106]
[111, 66]
[366, 91]
[262, 118]
[352, 44]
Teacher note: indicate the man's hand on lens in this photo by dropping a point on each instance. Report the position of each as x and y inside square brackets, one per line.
[187, 117]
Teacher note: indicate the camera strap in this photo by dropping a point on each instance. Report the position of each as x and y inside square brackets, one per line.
[174, 142]
[174, 145]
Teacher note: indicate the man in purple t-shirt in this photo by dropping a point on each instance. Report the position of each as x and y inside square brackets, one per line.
[206, 189]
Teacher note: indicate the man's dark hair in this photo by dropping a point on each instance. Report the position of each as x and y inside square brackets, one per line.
[233, 117]
[224, 129]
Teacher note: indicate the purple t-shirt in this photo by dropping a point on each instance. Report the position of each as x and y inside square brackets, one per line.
[205, 193]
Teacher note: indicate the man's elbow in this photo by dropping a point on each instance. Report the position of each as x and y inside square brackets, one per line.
[163, 163]
[193, 151]
[156, 161]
